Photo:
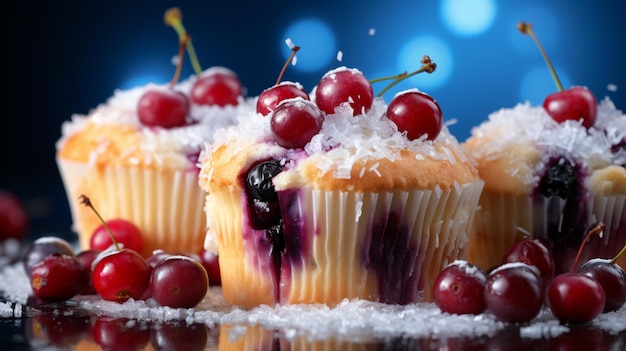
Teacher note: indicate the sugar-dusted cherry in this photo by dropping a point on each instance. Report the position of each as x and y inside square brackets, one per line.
[87, 258]
[58, 278]
[534, 252]
[13, 216]
[295, 121]
[165, 108]
[459, 288]
[124, 232]
[217, 86]
[417, 113]
[575, 103]
[44, 247]
[611, 277]
[514, 292]
[344, 85]
[179, 282]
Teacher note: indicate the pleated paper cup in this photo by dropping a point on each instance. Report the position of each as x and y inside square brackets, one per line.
[504, 219]
[386, 247]
[248, 273]
[166, 205]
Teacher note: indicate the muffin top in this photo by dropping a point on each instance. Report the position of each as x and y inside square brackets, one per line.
[364, 152]
[112, 133]
[516, 147]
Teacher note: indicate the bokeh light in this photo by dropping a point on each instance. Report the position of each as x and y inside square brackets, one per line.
[319, 40]
[468, 18]
[537, 83]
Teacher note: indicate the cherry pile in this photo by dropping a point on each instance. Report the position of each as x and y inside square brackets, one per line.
[169, 108]
[114, 270]
[525, 282]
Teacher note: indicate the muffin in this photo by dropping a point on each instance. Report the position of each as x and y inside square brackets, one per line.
[549, 180]
[147, 174]
[360, 212]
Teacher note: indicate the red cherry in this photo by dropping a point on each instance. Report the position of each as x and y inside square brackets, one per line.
[121, 275]
[575, 298]
[533, 252]
[271, 97]
[44, 247]
[179, 282]
[295, 121]
[459, 289]
[611, 277]
[58, 278]
[576, 103]
[416, 113]
[210, 262]
[343, 85]
[124, 232]
[13, 216]
[166, 108]
[86, 258]
[514, 292]
[216, 86]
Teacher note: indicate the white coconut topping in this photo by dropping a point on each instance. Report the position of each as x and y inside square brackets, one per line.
[531, 125]
[345, 139]
[159, 144]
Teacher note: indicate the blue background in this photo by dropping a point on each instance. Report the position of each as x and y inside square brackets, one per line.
[60, 59]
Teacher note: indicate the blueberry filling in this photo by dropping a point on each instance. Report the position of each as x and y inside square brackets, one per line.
[566, 221]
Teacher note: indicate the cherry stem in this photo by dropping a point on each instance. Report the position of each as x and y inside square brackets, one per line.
[597, 230]
[527, 28]
[428, 66]
[614, 259]
[179, 64]
[174, 18]
[85, 201]
[294, 50]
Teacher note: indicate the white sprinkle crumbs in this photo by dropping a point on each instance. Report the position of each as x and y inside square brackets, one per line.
[371, 31]
[611, 87]
[294, 60]
[290, 43]
[339, 55]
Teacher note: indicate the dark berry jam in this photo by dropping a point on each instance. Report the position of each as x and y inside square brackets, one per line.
[561, 194]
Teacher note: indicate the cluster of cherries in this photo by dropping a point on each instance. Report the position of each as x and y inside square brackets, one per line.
[169, 108]
[295, 118]
[525, 282]
[113, 268]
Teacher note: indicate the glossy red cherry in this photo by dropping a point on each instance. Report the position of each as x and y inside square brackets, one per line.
[514, 292]
[210, 262]
[272, 96]
[534, 252]
[416, 113]
[216, 86]
[121, 275]
[44, 247]
[295, 121]
[124, 232]
[86, 258]
[13, 216]
[344, 85]
[179, 282]
[611, 277]
[166, 108]
[576, 103]
[459, 289]
[575, 298]
[58, 278]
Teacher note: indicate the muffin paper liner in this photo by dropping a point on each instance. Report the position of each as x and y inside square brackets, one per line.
[166, 205]
[503, 219]
[386, 247]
